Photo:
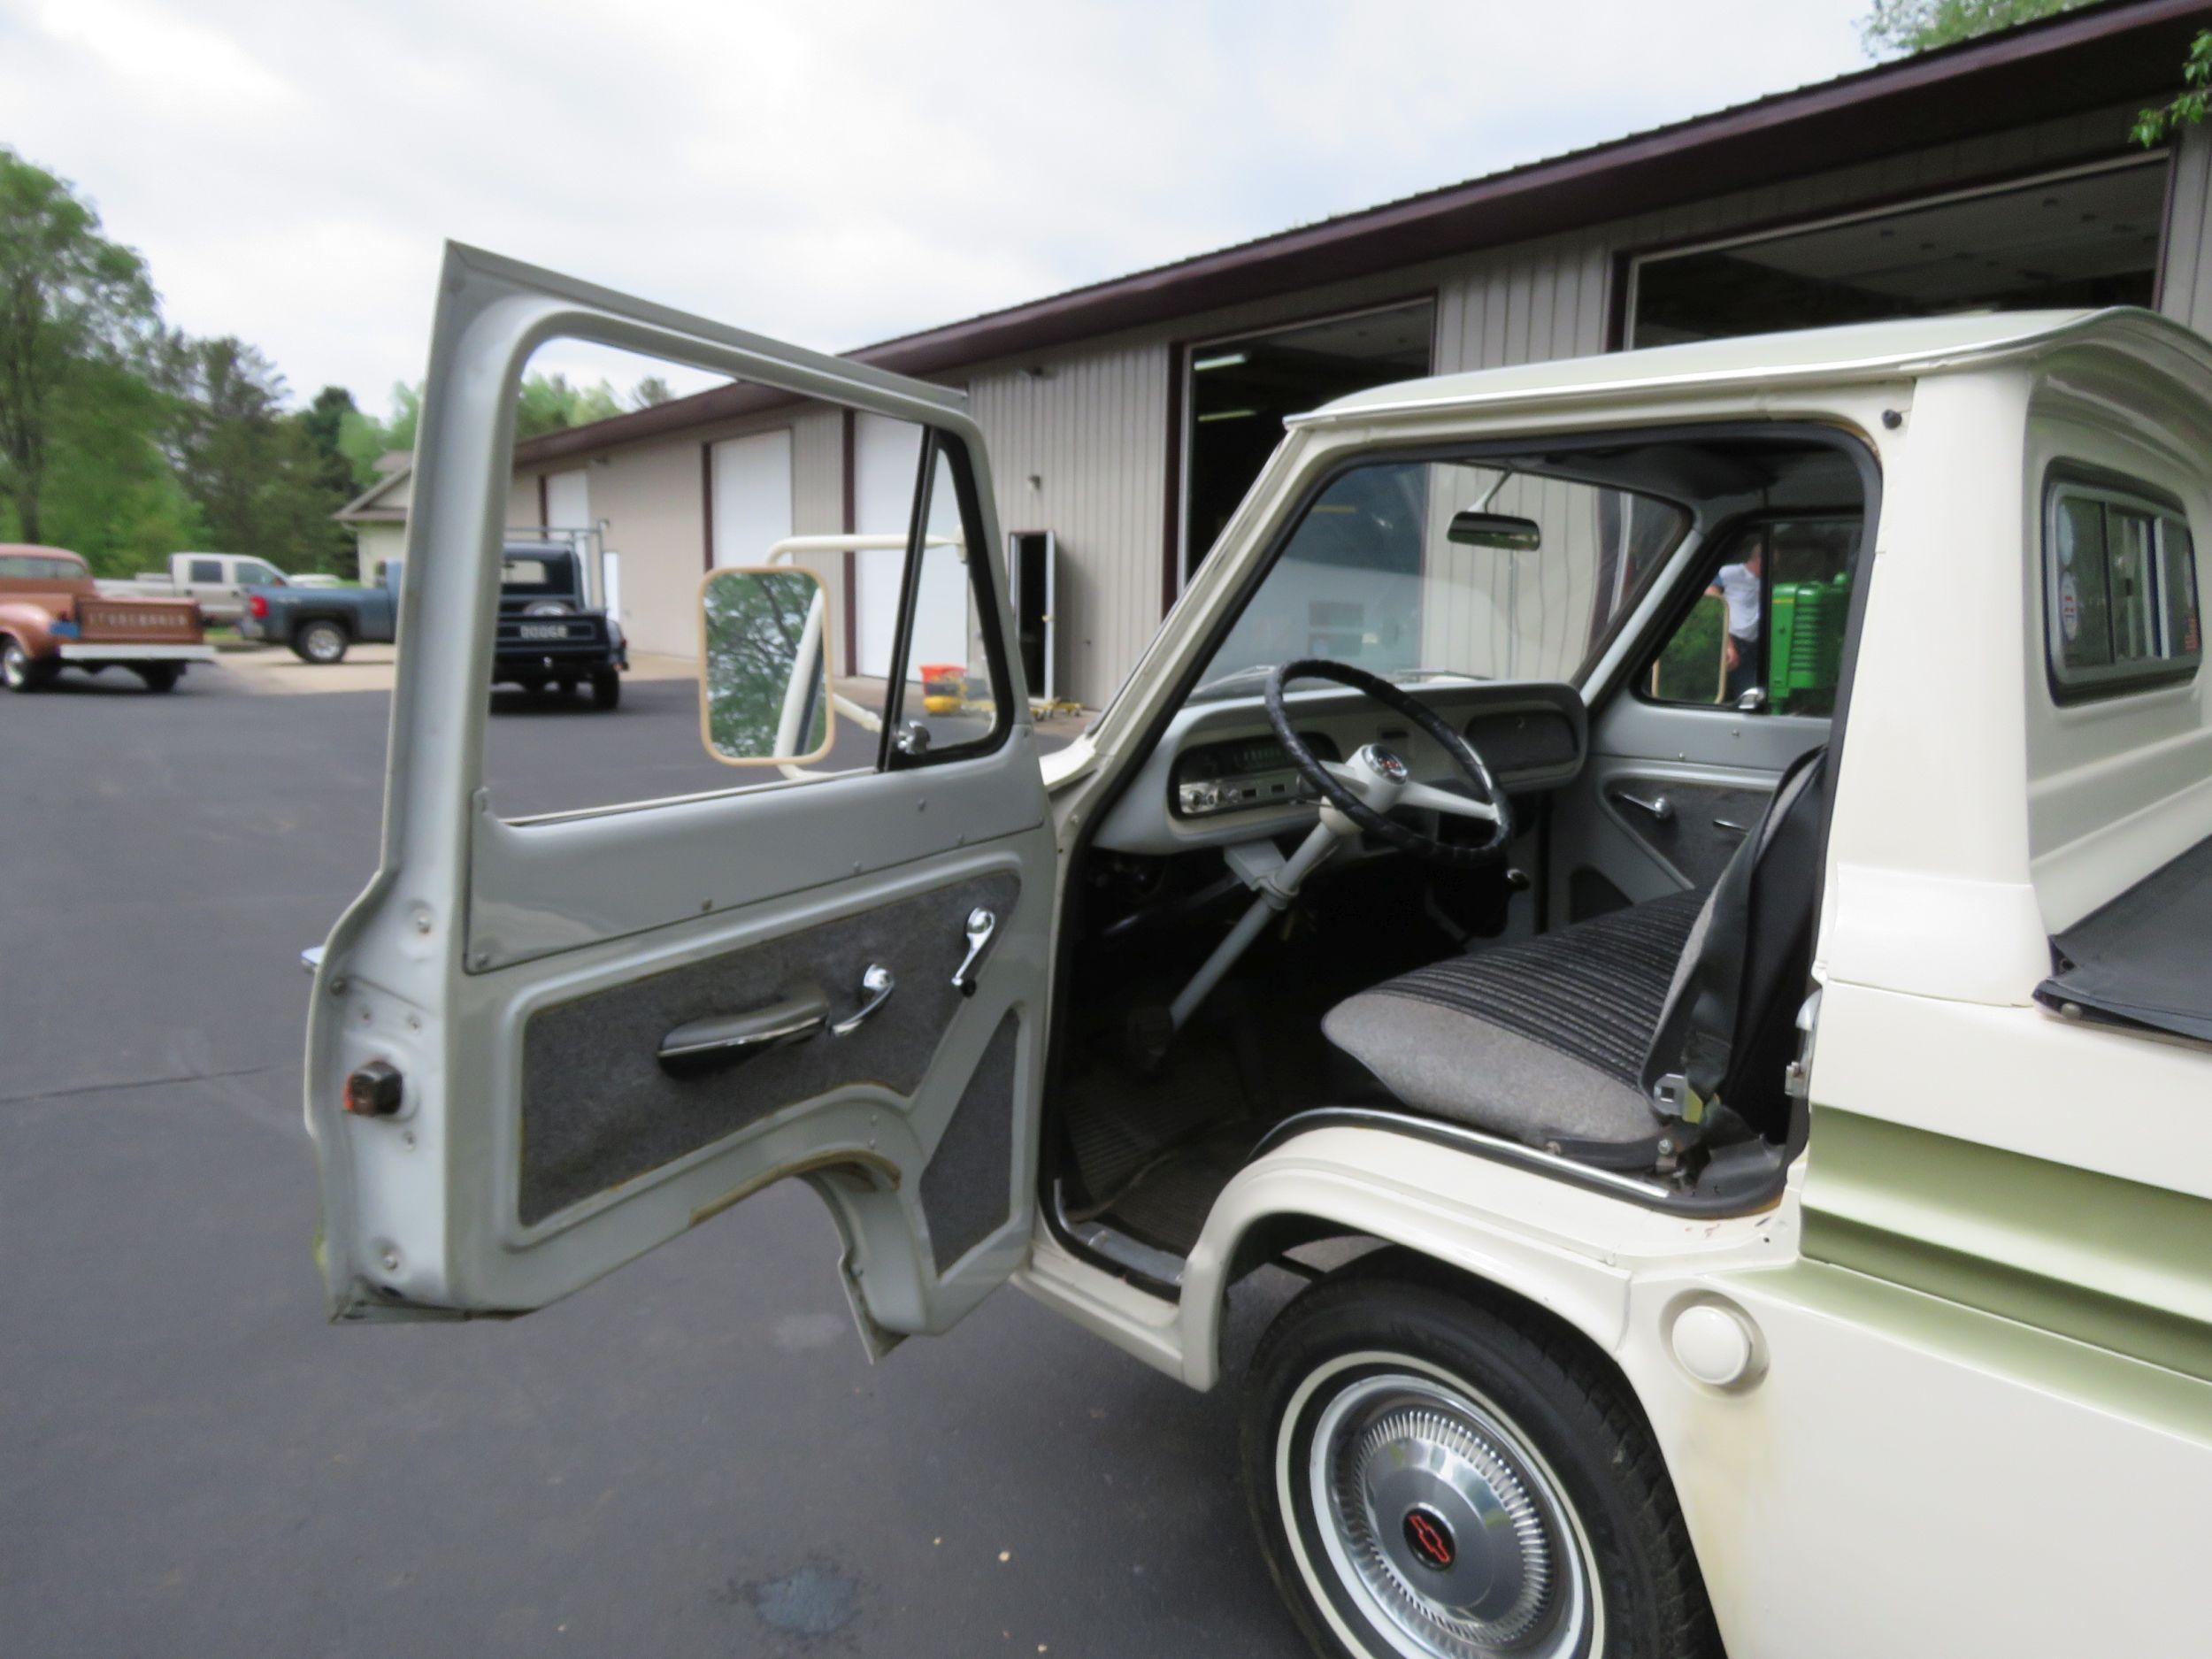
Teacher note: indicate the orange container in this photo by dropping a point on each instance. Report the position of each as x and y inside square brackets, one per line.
[944, 687]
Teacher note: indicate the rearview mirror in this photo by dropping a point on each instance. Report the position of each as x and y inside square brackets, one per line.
[1496, 529]
[764, 689]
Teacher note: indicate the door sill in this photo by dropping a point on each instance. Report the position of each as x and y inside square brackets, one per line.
[1104, 1304]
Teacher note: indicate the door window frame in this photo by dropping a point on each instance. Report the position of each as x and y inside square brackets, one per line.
[982, 596]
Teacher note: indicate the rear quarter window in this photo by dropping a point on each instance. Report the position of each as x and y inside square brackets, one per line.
[2120, 588]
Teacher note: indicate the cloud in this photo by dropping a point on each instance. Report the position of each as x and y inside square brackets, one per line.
[834, 172]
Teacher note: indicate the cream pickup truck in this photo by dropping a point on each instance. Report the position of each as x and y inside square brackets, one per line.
[217, 581]
[1748, 1129]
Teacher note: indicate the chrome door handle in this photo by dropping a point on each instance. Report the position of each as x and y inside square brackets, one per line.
[982, 924]
[724, 1038]
[876, 986]
[1659, 807]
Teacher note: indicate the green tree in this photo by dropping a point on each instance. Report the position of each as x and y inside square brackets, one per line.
[254, 469]
[72, 303]
[1919, 26]
[650, 393]
[549, 403]
[322, 425]
[109, 491]
[545, 402]
[2188, 107]
[365, 441]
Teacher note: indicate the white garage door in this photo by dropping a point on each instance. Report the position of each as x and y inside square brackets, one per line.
[752, 496]
[568, 500]
[887, 455]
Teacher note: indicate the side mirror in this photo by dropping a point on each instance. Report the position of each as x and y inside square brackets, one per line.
[1496, 529]
[764, 689]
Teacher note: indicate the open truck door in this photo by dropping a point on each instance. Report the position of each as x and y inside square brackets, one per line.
[539, 1048]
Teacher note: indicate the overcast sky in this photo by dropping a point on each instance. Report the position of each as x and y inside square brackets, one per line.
[834, 173]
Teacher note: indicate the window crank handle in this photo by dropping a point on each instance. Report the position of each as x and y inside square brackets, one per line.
[982, 924]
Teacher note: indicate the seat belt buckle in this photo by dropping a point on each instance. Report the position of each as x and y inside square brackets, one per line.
[1675, 1098]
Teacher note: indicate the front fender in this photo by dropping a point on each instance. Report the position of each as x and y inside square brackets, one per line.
[1576, 1252]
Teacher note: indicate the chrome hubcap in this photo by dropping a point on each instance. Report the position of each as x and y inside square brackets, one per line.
[1445, 1524]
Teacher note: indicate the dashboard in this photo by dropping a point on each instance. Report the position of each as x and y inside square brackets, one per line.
[1217, 776]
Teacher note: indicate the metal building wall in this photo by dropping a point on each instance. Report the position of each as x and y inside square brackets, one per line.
[1079, 447]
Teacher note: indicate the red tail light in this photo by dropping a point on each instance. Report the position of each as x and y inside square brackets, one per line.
[259, 604]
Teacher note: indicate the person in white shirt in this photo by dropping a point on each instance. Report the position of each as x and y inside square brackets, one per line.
[1740, 588]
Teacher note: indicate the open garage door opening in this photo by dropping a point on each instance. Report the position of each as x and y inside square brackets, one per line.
[1238, 392]
[2084, 238]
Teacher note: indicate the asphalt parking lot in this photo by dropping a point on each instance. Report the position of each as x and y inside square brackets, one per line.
[693, 1456]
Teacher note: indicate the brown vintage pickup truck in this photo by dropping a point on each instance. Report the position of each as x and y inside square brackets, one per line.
[51, 616]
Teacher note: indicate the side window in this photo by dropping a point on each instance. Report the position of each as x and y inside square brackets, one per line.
[949, 698]
[208, 571]
[748, 612]
[1766, 632]
[2120, 590]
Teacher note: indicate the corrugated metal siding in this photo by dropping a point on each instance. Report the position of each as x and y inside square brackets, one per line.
[1526, 304]
[1079, 447]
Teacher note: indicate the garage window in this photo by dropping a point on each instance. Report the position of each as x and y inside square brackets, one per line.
[2088, 237]
[2120, 589]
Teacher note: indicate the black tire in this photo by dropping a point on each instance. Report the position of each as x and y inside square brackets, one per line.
[321, 642]
[606, 689]
[20, 671]
[160, 676]
[1381, 1360]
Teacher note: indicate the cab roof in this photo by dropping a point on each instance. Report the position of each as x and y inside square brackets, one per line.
[39, 550]
[1855, 351]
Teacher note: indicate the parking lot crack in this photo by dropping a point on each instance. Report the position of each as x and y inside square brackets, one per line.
[128, 1085]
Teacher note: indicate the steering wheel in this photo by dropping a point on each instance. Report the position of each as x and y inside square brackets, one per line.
[1365, 788]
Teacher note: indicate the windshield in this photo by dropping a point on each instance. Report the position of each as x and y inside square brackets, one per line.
[1369, 578]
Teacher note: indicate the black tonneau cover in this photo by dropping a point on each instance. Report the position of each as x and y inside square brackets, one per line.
[2144, 960]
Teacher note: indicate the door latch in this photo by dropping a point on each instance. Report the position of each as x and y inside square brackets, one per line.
[982, 924]
[1660, 809]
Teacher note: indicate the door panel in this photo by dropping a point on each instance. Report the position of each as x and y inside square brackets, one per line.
[1712, 768]
[600, 1108]
[1692, 826]
[502, 993]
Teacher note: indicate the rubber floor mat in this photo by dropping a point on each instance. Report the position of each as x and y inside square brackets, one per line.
[1167, 1203]
[1120, 1123]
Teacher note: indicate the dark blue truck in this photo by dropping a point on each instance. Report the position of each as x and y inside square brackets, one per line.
[549, 634]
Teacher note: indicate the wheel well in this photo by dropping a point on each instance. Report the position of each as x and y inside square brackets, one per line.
[335, 621]
[1269, 1238]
